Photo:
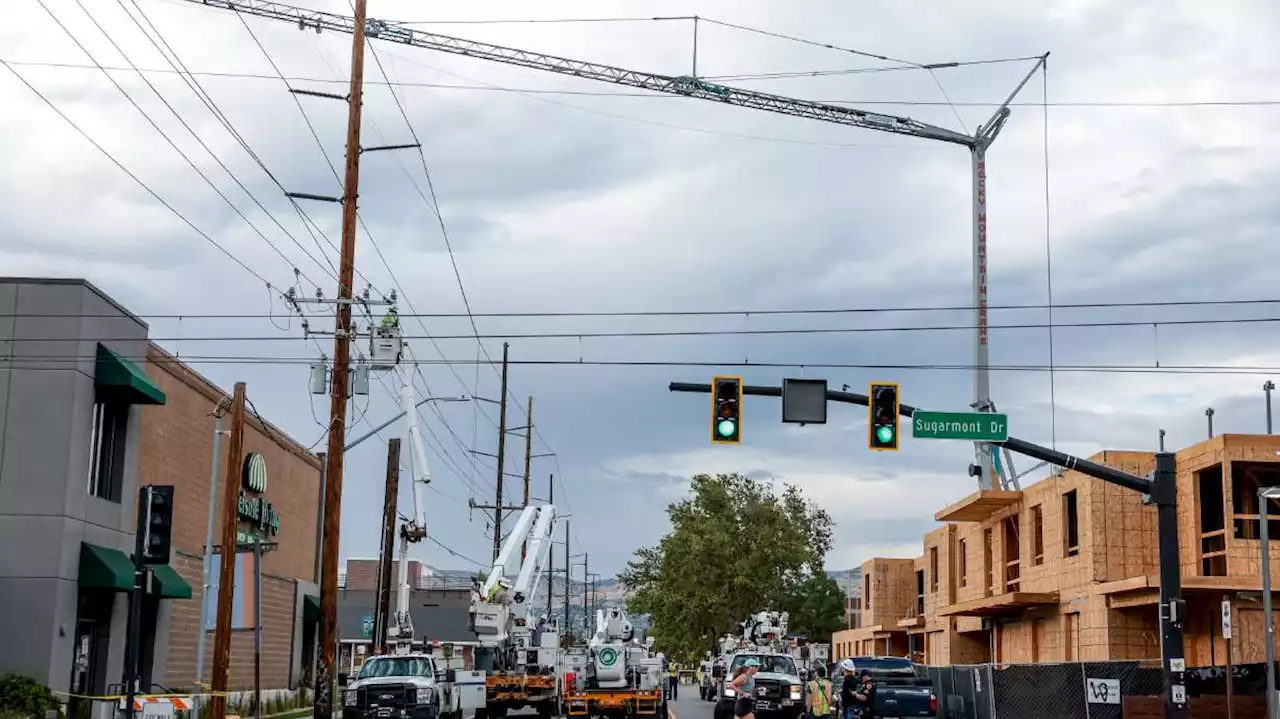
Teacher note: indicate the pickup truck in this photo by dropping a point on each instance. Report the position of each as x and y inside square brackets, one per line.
[405, 686]
[902, 688]
[779, 687]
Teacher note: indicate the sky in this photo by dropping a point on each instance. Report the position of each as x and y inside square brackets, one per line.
[1149, 177]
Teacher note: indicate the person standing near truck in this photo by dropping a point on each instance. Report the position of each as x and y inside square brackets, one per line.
[817, 698]
[865, 696]
[848, 690]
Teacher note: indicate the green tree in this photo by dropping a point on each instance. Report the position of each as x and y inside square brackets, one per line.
[736, 547]
[817, 608]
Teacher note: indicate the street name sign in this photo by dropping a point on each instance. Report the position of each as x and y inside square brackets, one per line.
[974, 426]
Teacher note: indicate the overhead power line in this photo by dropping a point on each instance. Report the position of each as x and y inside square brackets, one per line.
[1099, 104]
[763, 311]
[711, 333]
[43, 361]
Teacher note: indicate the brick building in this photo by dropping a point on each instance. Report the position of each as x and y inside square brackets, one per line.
[362, 574]
[89, 411]
[1066, 569]
[176, 447]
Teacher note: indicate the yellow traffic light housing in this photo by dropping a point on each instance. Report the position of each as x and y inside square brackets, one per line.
[882, 410]
[726, 410]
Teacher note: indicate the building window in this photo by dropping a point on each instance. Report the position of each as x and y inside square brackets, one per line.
[1070, 524]
[1037, 535]
[933, 569]
[962, 562]
[866, 594]
[106, 450]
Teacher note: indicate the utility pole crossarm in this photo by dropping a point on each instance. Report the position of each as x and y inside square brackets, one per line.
[685, 86]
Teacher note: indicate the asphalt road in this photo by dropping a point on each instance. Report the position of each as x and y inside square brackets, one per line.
[689, 706]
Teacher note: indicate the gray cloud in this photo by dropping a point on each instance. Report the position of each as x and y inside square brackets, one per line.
[596, 207]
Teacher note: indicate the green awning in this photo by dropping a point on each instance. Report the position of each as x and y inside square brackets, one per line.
[119, 379]
[311, 608]
[102, 568]
[166, 583]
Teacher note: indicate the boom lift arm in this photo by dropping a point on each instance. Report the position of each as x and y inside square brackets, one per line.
[492, 619]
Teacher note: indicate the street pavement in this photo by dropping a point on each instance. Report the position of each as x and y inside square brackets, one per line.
[689, 706]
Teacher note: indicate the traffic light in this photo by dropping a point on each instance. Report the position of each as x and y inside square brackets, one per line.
[157, 503]
[726, 410]
[883, 423]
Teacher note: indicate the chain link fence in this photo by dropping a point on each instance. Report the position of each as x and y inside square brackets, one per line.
[1088, 690]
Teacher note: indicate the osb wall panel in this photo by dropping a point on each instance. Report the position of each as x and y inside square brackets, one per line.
[1123, 529]
[893, 590]
[1134, 633]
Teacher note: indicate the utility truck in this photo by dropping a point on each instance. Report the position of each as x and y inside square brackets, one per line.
[520, 653]
[623, 677]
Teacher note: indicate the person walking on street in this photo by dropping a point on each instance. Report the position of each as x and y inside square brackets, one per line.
[817, 698]
[744, 689]
[673, 681]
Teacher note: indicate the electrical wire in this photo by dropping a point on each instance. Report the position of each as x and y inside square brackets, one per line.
[534, 21]
[716, 313]
[150, 120]
[43, 362]
[1048, 258]
[633, 334]
[134, 177]
[454, 552]
[1087, 104]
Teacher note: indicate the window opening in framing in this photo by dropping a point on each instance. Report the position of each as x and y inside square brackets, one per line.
[1070, 524]
[1213, 532]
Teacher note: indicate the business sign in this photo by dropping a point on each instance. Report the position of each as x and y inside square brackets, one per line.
[256, 511]
[242, 609]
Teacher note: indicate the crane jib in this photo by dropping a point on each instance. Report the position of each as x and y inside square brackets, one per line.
[683, 86]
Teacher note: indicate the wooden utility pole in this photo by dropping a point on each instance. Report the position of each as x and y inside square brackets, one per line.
[338, 390]
[528, 460]
[551, 556]
[382, 612]
[227, 561]
[502, 449]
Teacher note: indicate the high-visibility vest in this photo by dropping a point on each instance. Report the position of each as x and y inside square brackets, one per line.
[820, 690]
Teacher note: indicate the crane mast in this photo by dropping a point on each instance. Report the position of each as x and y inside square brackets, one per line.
[991, 473]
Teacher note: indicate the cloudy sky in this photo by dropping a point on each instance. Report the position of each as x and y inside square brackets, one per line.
[565, 195]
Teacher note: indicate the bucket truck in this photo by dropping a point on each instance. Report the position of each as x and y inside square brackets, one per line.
[525, 654]
[623, 678]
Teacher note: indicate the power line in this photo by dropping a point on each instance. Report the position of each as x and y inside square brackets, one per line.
[533, 21]
[42, 362]
[134, 177]
[454, 552]
[150, 120]
[713, 333]
[720, 313]
[1087, 104]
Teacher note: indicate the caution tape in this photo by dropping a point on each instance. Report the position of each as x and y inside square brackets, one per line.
[147, 697]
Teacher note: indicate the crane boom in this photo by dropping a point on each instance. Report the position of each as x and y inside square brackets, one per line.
[685, 86]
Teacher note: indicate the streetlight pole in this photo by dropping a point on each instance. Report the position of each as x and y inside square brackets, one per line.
[1266, 388]
[1265, 495]
[1208, 413]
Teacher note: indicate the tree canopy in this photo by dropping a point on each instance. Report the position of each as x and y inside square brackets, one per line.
[736, 547]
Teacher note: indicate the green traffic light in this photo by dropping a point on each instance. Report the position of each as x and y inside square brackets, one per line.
[727, 427]
[884, 434]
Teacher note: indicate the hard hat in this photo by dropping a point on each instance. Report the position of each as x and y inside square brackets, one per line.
[847, 665]
[505, 583]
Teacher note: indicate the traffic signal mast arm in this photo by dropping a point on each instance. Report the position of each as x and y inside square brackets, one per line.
[683, 85]
[1052, 456]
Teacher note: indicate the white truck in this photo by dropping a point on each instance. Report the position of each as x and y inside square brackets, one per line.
[524, 659]
[411, 686]
[623, 678]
